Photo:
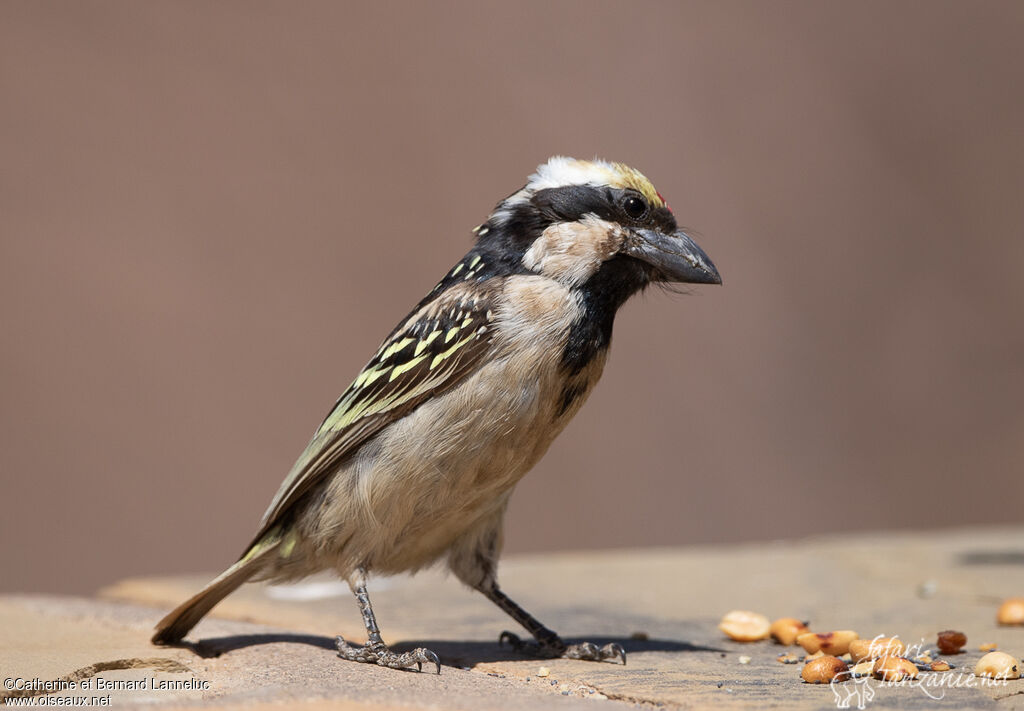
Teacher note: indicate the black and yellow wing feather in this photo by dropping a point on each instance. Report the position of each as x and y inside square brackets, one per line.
[440, 343]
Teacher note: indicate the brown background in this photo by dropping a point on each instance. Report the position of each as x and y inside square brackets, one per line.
[212, 212]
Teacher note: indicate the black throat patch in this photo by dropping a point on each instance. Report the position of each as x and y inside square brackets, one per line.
[601, 296]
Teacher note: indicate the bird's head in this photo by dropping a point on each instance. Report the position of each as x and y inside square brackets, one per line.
[598, 223]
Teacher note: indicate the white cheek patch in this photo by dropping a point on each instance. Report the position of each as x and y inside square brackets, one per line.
[571, 252]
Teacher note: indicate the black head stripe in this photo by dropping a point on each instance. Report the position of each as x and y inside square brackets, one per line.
[570, 203]
[502, 242]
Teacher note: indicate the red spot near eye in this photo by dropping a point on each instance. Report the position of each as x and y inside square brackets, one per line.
[663, 201]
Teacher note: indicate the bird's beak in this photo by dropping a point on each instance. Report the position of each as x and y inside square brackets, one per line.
[676, 257]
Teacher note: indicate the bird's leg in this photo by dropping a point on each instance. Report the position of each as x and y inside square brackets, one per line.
[475, 561]
[548, 643]
[375, 651]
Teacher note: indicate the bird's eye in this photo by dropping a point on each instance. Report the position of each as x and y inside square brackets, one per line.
[634, 206]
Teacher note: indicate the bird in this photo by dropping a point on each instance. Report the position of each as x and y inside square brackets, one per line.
[416, 461]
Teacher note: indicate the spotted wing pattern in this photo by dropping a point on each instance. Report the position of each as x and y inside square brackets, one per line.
[441, 342]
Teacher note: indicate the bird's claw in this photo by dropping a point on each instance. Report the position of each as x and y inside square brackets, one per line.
[513, 640]
[380, 654]
[587, 651]
[428, 657]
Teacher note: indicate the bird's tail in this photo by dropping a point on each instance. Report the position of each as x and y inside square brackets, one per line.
[184, 617]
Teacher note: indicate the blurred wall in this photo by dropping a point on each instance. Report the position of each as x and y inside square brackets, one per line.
[212, 213]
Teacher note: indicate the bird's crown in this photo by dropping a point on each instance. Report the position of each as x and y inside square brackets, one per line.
[562, 171]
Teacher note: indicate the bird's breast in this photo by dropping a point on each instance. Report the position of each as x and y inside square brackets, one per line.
[454, 460]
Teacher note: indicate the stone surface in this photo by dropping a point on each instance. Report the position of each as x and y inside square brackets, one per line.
[269, 644]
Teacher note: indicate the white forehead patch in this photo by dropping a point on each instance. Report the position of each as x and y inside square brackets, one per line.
[561, 171]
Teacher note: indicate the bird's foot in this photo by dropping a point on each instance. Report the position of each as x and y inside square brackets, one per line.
[378, 653]
[554, 648]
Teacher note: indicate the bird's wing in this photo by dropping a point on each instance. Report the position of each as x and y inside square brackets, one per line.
[441, 342]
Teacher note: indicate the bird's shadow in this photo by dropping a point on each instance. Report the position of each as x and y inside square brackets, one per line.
[991, 557]
[457, 653]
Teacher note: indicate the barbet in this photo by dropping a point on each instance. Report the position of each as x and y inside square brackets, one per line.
[418, 458]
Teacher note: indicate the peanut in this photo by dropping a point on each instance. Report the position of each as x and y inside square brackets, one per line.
[836, 643]
[998, 665]
[745, 626]
[893, 668]
[785, 630]
[1011, 612]
[824, 669]
[861, 649]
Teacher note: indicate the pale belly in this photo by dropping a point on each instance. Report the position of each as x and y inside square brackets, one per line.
[407, 496]
[449, 466]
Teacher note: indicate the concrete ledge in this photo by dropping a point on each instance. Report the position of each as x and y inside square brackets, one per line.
[267, 645]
